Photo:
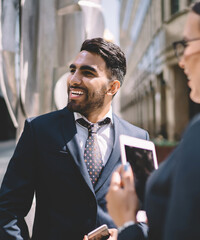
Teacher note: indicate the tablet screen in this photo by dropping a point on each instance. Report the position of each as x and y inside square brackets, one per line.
[142, 157]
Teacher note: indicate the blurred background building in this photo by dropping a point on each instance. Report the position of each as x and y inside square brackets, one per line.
[38, 40]
[155, 93]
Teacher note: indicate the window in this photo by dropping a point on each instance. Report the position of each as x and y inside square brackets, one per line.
[174, 6]
[162, 10]
[190, 1]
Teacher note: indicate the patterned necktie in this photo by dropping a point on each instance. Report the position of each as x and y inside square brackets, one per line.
[92, 154]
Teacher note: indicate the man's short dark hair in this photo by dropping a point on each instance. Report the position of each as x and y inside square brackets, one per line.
[113, 56]
[196, 7]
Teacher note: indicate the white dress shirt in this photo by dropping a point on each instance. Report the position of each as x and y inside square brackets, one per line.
[105, 136]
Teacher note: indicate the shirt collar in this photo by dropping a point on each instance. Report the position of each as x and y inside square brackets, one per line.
[109, 114]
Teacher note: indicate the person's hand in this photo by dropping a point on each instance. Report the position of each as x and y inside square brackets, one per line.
[122, 200]
[113, 234]
[85, 237]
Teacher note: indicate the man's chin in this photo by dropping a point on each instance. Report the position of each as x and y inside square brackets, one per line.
[72, 107]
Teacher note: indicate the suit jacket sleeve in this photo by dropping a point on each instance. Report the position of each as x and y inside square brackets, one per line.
[183, 215]
[17, 189]
[134, 232]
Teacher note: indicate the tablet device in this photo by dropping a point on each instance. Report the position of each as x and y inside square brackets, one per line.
[141, 155]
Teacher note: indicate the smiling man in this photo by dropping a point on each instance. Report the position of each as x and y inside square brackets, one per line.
[90, 91]
[67, 157]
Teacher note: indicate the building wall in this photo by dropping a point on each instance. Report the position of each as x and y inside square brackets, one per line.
[38, 40]
[155, 87]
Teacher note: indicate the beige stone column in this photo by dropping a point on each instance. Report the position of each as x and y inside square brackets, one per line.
[170, 102]
[157, 107]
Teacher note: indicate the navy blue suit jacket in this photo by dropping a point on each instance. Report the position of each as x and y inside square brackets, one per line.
[48, 161]
[173, 193]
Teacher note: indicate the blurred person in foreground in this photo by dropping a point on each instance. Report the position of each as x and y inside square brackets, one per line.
[67, 157]
[172, 200]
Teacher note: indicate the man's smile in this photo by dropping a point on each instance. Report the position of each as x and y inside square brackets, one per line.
[75, 93]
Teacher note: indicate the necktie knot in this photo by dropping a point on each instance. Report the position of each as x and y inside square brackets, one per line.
[94, 127]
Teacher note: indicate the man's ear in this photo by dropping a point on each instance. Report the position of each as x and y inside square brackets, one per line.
[114, 87]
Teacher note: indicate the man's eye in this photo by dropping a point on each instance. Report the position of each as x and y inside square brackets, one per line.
[72, 70]
[87, 73]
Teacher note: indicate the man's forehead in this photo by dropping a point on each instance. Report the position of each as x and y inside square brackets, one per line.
[90, 59]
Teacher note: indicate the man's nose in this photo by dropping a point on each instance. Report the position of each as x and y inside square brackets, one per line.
[75, 78]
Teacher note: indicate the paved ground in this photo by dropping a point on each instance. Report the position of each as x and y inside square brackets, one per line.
[6, 151]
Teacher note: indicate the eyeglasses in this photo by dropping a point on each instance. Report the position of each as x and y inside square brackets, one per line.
[179, 47]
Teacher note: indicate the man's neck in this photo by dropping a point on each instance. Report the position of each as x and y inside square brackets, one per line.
[93, 118]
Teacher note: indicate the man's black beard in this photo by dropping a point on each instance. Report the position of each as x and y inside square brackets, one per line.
[90, 105]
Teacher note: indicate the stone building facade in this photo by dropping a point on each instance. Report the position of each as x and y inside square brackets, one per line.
[155, 93]
[38, 40]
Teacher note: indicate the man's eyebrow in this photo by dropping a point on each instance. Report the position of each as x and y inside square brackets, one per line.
[87, 67]
[84, 67]
[72, 66]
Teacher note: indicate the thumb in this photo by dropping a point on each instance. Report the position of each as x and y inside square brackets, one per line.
[127, 176]
[115, 179]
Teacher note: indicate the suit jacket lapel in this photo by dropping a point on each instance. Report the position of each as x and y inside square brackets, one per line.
[70, 135]
[115, 155]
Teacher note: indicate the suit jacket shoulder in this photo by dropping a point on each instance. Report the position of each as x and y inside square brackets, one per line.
[50, 116]
[130, 129]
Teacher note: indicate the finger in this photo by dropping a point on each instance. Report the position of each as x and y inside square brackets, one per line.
[113, 234]
[127, 176]
[120, 169]
[112, 231]
[115, 185]
[115, 179]
[127, 171]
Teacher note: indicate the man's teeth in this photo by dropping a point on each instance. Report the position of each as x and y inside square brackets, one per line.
[77, 92]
